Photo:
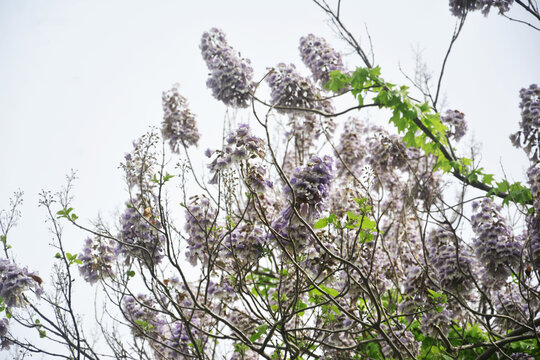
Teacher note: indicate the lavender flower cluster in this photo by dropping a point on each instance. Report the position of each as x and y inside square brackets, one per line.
[139, 164]
[455, 120]
[530, 123]
[230, 75]
[402, 338]
[311, 186]
[245, 244]
[462, 7]
[179, 125]
[242, 146]
[140, 235]
[452, 265]
[4, 328]
[14, 281]
[533, 220]
[495, 246]
[97, 258]
[203, 234]
[140, 312]
[291, 93]
[319, 57]
[512, 307]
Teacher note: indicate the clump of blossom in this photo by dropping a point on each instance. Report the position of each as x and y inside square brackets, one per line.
[351, 148]
[244, 147]
[202, 232]
[179, 125]
[462, 7]
[402, 338]
[433, 321]
[292, 93]
[139, 164]
[533, 220]
[230, 75]
[319, 57]
[14, 281]
[510, 303]
[385, 151]
[4, 328]
[177, 342]
[452, 266]
[494, 244]
[521, 356]
[341, 334]
[141, 314]
[245, 244]
[97, 258]
[311, 186]
[528, 136]
[140, 235]
[455, 120]
[242, 354]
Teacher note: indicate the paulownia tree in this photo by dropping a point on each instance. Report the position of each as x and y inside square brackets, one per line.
[314, 234]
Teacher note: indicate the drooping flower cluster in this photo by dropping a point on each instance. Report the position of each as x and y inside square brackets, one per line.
[533, 220]
[202, 232]
[319, 57]
[230, 75]
[402, 338]
[452, 264]
[311, 186]
[14, 281]
[140, 235]
[242, 147]
[512, 307]
[177, 344]
[462, 7]
[4, 328]
[97, 258]
[139, 165]
[530, 123]
[434, 321]
[494, 244]
[179, 125]
[351, 149]
[141, 314]
[455, 120]
[291, 92]
[245, 244]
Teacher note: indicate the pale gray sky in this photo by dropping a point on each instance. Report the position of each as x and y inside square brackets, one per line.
[79, 80]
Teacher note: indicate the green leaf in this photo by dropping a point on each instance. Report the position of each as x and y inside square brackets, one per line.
[322, 223]
[261, 329]
[130, 273]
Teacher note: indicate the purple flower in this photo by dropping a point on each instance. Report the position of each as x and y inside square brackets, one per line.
[451, 265]
[495, 246]
[462, 7]
[202, 232]
[528, 136]
[245, 149]
[311, 186]
[179, 125]
[401, 337]
[140, 236]
[97, 258]
[319, 57]
[4, 328]
[291, 93]
[455, 120]
[14, 281]
[230, 75]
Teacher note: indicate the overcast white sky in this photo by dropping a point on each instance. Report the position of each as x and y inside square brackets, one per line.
[79, 80]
